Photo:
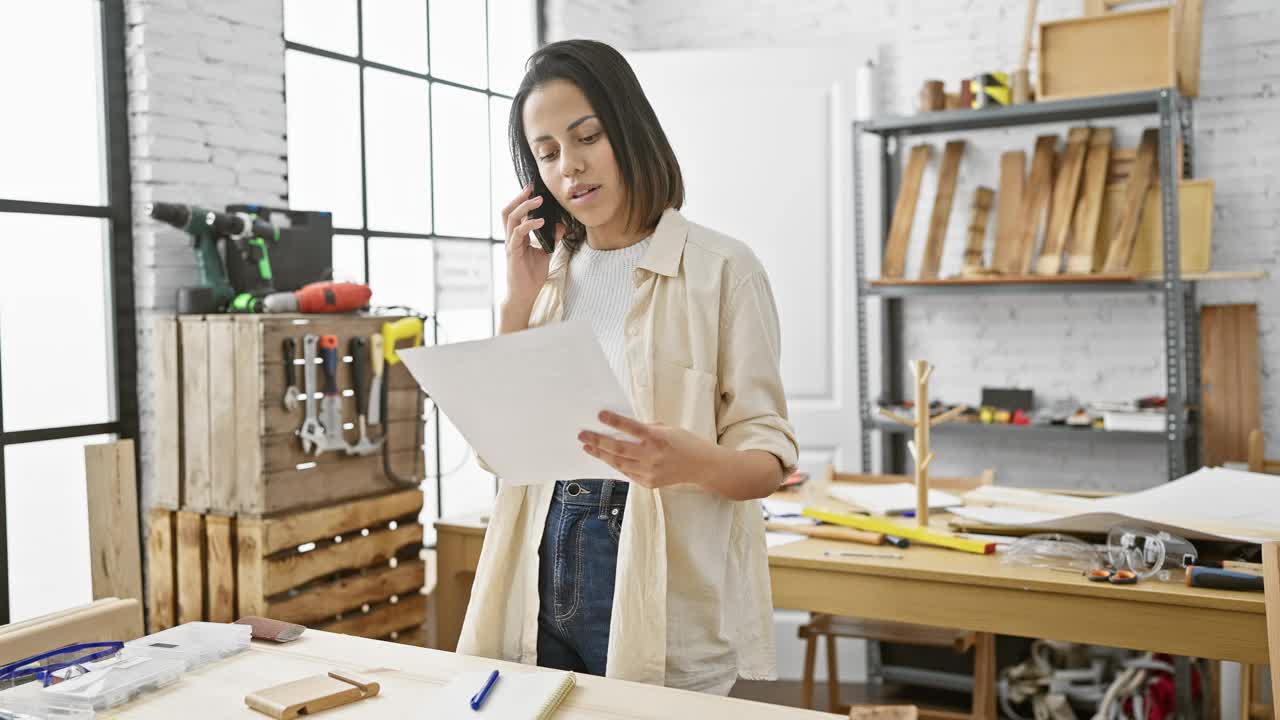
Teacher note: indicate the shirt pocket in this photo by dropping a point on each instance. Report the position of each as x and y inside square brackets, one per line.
[686, 398]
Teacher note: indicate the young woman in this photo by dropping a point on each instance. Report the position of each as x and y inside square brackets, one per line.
[663, 579]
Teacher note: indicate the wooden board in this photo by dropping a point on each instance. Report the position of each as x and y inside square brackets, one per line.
[197, 490]
[1034, 202]
[107, 619]
[895, 251]
[250, 566]
[1121, 238]
[1271, 581]
[166, 478]
[1122, 159]
[1065, 190]
[1106, 54]
[1195, 229]
[1186, 45]
[1230, 380]
[979, 211]
[190, 577]
[1097, 278]
[1084, 233]
[220, 570]
[409, 612]
[247, 495]
[378, 547]
[161, 570]
[112, 491]
[338, 479]
[941, 215]
[1013, 178]
[294, 529]
[327, 600]
[223, 362]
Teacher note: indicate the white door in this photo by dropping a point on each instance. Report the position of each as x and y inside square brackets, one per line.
[763, 138]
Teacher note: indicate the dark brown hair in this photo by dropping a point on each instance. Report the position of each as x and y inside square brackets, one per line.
[649, 169]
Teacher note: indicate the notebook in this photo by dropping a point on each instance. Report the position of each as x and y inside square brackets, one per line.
[889, 499]
[516, 695]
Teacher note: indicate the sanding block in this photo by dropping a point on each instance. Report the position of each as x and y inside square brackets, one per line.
[269, 629]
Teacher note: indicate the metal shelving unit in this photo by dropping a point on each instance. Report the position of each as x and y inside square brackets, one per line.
[1181, 317]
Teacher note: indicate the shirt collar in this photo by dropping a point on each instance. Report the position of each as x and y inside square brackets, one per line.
[664, 253]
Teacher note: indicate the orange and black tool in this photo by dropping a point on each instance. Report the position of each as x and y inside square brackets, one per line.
[1115, 577]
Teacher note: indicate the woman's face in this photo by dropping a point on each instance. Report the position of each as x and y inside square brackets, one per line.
[573, 154]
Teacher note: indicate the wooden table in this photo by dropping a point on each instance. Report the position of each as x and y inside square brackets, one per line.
[951, 589]
[408, 676]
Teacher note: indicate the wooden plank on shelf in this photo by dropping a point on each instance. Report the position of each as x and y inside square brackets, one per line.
[191, 565]
[286, 573]
[161, 570]
[1065, 190]
[895, 251]
[1084, 232]
[220, 570]
[1013, 179]
[1195, 229]
[1034, 202]
[334, 479]
[292, 530]
[409, 612]
[250, 566]
[247, 496]
[223, 362]
[976, 236]
[197, 490]
[1120, 244]
[111, 485]
[941, 214]
[1188, 27]
[325, 601]
[1095, 278]
[1230, 380]
[166, 481]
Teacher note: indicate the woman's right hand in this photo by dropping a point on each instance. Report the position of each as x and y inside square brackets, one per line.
[527, 264]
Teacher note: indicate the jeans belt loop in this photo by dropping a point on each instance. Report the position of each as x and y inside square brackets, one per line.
[606, 490]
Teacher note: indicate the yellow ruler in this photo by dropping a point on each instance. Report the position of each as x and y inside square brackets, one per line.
[888, 527]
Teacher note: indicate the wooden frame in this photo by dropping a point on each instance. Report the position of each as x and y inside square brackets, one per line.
[1106, 54]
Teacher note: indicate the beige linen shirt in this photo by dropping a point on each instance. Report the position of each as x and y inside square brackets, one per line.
[692, 607]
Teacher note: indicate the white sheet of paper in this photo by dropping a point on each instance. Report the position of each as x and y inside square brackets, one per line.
[889, 499]
[521, 399]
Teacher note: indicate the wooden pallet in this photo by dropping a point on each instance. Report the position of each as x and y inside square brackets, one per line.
[237, 449]
[354, 567]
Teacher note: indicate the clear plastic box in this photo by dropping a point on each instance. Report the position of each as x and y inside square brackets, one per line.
[115, 681]
[195, 643]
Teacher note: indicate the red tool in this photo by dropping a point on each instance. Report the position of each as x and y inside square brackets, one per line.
[320, 297]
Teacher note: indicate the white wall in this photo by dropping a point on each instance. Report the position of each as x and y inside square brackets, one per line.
[1086, 346]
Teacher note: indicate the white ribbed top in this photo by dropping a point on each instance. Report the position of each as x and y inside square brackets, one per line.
[598, 289]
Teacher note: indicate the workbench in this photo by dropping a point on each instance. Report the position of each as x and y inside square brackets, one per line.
[408, 675]
[946, 588]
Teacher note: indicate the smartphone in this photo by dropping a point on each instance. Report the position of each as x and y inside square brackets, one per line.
[550, 211]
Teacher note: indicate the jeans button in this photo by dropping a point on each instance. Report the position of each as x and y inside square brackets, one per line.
[573, 489]
[615, 512]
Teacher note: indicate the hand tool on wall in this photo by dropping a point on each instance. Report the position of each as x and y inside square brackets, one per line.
[331, 403]
[290, 349]
[320, 297]
[359, 361]
[409, 328]
[312, 436]
[376, 363]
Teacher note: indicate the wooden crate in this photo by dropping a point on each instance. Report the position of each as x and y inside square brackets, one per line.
[239, 450]
[356, 567]
[1105, 54]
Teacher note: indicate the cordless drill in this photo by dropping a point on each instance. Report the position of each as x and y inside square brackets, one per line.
[245, 240]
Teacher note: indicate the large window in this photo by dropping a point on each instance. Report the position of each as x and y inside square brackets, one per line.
[67, 358]
[397, 124]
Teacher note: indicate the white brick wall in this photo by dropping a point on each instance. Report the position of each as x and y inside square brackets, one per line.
[207, 126]
[1086, 346]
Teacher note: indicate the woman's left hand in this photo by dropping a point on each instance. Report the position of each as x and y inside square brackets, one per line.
[659, 455]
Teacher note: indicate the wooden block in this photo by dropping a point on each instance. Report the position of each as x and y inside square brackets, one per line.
[190, 536]
[1271, 583]
[251, 566]
[1120, 244]
[324, 601]
[112, 491]
[1013, 178]
[1195, 231]
[1034, 201]
[409, 612]
[1188, 26]
[197, 488]
[1106, 54]
[1089, 211]
[941, 215]
[1230, 380]
[249, 421]
[1122, 159]
[290, 531]
[223, 361]
[378, 546]
[980, 210]
[104, 620]
[220, 570]
[161, 570]
[895, 251]
[166, 481]
[1064, 202]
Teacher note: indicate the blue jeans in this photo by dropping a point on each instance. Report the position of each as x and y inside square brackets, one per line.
[578, 559]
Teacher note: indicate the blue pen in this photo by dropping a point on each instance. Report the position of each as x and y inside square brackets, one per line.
[478, 699]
